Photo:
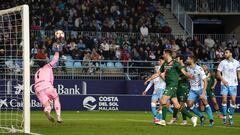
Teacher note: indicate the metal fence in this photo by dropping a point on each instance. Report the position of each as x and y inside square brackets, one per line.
[90, 70]
[105, 70]
[183, 18]
[152, 36]
[101, 70]
[209, 6]
[216, 37]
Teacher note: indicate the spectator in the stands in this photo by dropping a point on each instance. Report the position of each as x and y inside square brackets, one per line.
[144, 30]
[95, 56]
[209, 42]
[118, 53]
[104, 47]
[166, 28]
[81, 45]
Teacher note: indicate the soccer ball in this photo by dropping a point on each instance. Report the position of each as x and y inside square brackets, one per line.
[59, 34]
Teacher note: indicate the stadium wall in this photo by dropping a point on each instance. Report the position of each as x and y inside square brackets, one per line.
[101, 96]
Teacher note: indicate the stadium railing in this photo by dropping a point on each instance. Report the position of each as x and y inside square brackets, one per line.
[211, 6]
[183, 18]
[135, 35]
[104, 69]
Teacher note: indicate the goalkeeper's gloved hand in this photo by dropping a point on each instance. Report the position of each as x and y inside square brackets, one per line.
[57, 48]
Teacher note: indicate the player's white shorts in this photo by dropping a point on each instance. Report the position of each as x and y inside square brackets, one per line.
[157, 95]
[232, 90]
[195, 94]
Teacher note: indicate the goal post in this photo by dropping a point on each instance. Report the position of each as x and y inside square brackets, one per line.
[14, 70]
[26, 67]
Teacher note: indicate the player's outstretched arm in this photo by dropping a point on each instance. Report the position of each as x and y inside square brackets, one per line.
[55, 59]
[147, 88]
[152, 77]
[189, 76]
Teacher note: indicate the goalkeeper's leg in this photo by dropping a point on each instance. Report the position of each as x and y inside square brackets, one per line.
[57, 106]
[44, 99]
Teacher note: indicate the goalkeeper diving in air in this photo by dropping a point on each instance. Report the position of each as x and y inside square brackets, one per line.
[44, 80]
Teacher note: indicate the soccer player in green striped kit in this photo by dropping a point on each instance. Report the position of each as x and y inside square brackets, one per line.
[182, 93]
[170, 72]
[212, 81]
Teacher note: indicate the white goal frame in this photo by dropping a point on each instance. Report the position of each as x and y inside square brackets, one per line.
[26, 62]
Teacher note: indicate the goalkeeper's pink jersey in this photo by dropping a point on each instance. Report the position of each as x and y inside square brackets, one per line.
[44, 76]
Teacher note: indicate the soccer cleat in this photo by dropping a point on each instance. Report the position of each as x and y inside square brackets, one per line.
[202, 120]
[162, 123]
[172, 121]
[59, 119]
[211, 123]
[184, 122]
[224, 121]
[231, 122]
[220, 116]
[50, 118]
[194, 121]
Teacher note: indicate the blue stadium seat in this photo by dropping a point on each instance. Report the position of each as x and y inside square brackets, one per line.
[118, 65]
[69, 64]
[110, 65]
[69, 57]
[77, 64]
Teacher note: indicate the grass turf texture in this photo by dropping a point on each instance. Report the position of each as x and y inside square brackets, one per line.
[123, 123]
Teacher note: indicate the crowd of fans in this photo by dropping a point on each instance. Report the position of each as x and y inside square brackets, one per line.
[128, 16]
[138, 48]
[93, 15]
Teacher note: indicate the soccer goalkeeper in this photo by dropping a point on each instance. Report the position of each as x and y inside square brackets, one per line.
[44, 88]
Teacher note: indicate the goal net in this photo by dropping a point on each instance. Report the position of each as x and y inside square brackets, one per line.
[14, 70]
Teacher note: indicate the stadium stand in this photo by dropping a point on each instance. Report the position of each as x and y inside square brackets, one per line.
[126, 30]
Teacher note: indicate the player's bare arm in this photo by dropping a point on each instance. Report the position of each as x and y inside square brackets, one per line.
[221, 78]
[153, 77]
[204, 89]
[189, 76]
[214, 84]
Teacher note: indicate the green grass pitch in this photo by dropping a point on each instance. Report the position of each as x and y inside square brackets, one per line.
[123, 123]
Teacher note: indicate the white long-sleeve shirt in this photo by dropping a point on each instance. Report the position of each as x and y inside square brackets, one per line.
[158, 83]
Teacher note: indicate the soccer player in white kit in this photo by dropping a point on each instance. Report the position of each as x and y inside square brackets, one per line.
[227, 72]
[197, 92]
[159, 86]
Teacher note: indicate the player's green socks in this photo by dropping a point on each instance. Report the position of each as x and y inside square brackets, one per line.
[184, 111]
[164, 112]
[184, 117]
[175, 111]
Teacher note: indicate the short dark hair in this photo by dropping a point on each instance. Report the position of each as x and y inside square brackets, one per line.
[180, 56]
[193, 57]
[42, 63]
[168, 51]
[229, 49]
[161, 58]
